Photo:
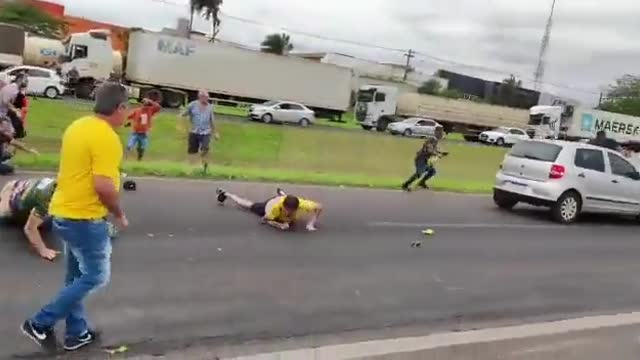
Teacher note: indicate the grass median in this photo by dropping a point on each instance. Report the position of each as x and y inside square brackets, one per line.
[253, 151]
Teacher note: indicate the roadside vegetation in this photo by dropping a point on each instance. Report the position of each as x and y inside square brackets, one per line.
[253, 151]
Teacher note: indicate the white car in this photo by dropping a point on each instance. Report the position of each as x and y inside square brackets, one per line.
[417, 127]
[568, 177]
[282, 112]
[41, 81]
[503, 136]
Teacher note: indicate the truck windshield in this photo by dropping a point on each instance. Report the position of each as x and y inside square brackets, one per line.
[539, 119]
[366, 96]
[536, 150]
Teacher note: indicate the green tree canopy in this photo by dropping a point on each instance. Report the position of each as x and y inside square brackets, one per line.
[431, 87]
[279, 44]
[210, 10]
[32, 19]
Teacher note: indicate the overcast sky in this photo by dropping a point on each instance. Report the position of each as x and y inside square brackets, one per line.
[592, 41]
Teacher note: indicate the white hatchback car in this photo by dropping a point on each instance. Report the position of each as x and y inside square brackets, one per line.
[569, 178]
[503, 136]
[282, 112]
[41, 81]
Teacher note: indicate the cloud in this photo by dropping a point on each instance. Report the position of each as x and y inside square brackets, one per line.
[592, 42]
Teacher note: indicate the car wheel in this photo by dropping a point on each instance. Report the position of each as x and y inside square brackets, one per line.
[567, 209]
[304, 122]
[267, 118]
[366, 127]
[51, 92]
[407, 132]
[504, 201]
[500, 142]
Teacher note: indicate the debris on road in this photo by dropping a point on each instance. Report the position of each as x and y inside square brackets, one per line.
[416, 244]
[428, 231]
[119, 350]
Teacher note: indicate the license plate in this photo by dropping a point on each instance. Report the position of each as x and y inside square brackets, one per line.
[515, 183]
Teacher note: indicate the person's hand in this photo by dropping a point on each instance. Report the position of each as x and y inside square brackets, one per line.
[122, 222]
[311, 228]
[48, 254]
[216, 136]
[34, 152]
[283, 226]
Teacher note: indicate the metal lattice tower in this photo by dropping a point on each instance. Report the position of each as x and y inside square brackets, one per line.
[539, 74]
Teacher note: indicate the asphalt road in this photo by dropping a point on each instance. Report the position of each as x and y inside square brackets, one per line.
[191, 272]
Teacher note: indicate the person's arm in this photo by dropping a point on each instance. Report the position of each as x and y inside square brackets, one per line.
[270, 219]
[105, 151]
[182, 124]
[32, 232]
[22, 146]
[314, 216]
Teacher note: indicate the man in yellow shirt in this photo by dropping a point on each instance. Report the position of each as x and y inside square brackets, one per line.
[87, 191]
[281, 211]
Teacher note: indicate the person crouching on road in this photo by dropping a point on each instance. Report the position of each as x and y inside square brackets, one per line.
[140, 121]
[424, 162]
[26, 203]
[281, 212]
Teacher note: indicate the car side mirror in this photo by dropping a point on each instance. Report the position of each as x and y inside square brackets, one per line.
[634, 175]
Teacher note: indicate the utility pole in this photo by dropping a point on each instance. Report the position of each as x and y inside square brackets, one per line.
[409, 55]
[539, 73]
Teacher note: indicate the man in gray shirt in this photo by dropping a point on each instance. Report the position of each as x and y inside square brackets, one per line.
[202, 126]
[8, 94]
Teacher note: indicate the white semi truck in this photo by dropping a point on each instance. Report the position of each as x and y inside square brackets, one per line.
[378, 106]
[580, 123]
[177, 67]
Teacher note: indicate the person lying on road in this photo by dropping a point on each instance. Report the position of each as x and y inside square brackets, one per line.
[281, 211]
[26, 203]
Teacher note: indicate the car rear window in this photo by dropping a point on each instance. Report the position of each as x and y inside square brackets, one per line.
[536, 150]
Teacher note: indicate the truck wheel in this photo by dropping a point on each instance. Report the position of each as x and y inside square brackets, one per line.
[267, 118]
[500, 142]
[367, 127]
[407, 132]
[84, 90]
[304, 122]
[567, 209]
[383, 123]
[173, 99]
[51, 92]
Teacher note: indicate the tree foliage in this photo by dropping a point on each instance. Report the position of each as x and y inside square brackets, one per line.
[210, 10]
[279, 44]
[431, 87]
[32, 19]
[624, 96]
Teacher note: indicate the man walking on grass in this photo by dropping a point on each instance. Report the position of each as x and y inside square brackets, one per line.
[202, 126]
[87, 191]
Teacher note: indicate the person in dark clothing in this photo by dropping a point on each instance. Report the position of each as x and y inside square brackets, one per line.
[18, 113]
[602, 140]
[425, 168]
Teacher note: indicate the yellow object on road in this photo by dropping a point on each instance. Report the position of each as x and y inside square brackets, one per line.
[428, 232]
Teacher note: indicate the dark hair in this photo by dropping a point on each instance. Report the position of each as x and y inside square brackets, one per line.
[291, 202]
[109, 96]
[601, 133]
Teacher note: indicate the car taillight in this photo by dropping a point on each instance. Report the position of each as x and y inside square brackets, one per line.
[557, 172]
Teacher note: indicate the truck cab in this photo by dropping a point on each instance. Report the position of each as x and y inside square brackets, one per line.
[549, 122]
[376, 106]
[91, 55]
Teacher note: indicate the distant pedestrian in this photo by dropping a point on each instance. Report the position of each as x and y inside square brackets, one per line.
[87, 190]
[202, 126]
[602, 140]
[424, 162]
[18, 113]
[141, 121]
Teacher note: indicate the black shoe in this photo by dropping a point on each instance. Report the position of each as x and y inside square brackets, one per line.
[205, 168]
[280, 192]
[222, 195]
[44, 338]
[406, 188]
[72, 344]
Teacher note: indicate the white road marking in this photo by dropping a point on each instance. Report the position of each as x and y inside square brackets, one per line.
[373, 348]
[465, 226]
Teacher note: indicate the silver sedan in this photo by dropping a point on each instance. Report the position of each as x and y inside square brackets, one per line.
[417, 127]
[282, 112]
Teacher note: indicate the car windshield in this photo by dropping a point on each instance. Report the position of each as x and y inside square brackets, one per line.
[271, 103]
[536, 150]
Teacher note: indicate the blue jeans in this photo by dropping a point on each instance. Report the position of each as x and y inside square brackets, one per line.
[87, 250]
[138, 140]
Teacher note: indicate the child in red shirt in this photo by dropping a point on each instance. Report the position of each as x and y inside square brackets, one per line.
[140, 121]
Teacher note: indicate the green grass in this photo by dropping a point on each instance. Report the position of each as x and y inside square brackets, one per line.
[253, 151]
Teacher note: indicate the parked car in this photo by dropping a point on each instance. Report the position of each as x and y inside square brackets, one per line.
[41, 81]
[282, 112]
[418, 127]
[503, 136]
[569, 178]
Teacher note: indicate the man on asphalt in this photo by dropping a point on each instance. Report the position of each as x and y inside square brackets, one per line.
[200, 113]
[87, 191]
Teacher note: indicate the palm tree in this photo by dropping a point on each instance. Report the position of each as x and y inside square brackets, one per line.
[279, 44]
[210, 10]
